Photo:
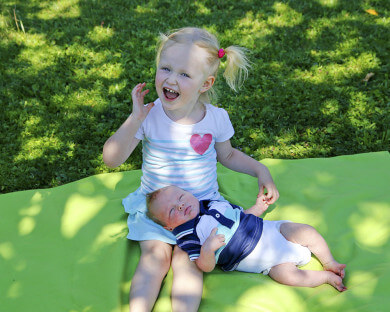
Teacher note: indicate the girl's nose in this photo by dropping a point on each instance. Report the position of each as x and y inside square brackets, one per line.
[172, 79]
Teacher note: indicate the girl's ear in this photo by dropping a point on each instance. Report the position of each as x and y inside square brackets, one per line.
[207, 84]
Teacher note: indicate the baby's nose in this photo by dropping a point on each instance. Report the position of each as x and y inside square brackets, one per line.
[180, 206]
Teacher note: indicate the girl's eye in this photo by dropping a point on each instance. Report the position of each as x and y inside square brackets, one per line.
[185, 75]
[165, 68]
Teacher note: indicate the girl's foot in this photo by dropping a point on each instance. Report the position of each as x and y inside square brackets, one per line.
[336, 281]
[335, 267]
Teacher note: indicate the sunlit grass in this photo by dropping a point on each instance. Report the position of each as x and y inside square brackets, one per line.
[284, 16]
[100, 34]
[329, 3]
[59, 8]
[351, 67]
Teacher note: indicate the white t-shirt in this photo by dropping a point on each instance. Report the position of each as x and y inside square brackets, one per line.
[182, 155]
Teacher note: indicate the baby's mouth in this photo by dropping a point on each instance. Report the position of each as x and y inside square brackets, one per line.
[170, 94]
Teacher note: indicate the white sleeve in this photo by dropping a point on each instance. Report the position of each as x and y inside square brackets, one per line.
[140, 133]
[225, 127]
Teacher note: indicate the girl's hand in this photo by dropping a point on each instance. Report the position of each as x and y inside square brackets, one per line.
[140, 111]
[214, 241]
[272, 192]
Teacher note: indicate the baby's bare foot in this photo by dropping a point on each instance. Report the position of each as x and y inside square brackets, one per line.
[336, 281]
[335, 267]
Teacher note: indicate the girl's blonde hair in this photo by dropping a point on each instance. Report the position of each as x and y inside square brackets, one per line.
[237, 65]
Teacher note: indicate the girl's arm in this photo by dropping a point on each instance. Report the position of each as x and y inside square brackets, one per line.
[123, 142]
[206, 260]
[240, 162]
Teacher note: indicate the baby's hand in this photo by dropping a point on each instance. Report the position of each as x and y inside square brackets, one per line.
[140, 111]
[214, 241]
[260, 206]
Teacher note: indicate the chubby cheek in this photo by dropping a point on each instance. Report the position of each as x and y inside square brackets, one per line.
[175, 218]
[158, 81]
[194, 213]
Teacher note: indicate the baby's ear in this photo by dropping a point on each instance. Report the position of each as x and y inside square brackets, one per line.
[207, 84]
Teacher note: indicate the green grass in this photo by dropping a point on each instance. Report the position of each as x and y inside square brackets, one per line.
[67, 68]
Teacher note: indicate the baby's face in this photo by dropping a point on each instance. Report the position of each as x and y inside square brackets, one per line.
[174, 206]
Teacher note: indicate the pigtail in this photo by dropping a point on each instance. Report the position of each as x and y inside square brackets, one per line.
[237, 66]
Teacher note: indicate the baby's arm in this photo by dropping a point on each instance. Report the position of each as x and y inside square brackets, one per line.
[259, 207]
[206, 260]
[123, 142]
[240, 162]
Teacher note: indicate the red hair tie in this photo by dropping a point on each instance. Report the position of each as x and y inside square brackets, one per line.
[221, 53]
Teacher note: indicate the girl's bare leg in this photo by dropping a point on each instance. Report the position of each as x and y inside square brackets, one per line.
[289, 274]
[152, 267]
[187, 283]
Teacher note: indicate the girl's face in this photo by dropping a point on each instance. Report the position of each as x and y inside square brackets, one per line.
[174, 206]
[182, 77]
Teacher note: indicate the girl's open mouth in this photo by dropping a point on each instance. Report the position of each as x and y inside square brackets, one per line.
[170, 94]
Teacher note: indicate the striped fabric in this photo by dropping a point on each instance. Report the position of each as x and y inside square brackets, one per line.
[242, 233]
[171, 158]
[187, 236]
[187, 239]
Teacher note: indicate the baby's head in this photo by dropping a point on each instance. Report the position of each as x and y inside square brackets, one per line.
[171, 206]
[237, 63]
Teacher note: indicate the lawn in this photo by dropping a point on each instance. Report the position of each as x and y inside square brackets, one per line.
[319, 84]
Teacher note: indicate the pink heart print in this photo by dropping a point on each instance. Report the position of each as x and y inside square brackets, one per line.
[201, 144]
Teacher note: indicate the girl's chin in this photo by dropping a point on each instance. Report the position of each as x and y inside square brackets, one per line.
[168, 104]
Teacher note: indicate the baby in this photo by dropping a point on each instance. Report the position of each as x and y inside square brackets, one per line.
[217, 232]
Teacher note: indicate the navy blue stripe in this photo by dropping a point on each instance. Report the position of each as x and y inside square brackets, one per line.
[242, 243]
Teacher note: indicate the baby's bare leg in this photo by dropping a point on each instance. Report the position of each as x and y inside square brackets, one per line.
[289, 274]
[308, 236]
[152, 267]
[187, 285]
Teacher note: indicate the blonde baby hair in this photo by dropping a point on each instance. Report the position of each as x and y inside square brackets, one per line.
[237, 64]
[150, 199]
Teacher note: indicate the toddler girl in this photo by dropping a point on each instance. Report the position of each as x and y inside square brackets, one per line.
[182, 136]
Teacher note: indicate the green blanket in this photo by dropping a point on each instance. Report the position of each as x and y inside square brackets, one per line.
[65, 249]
